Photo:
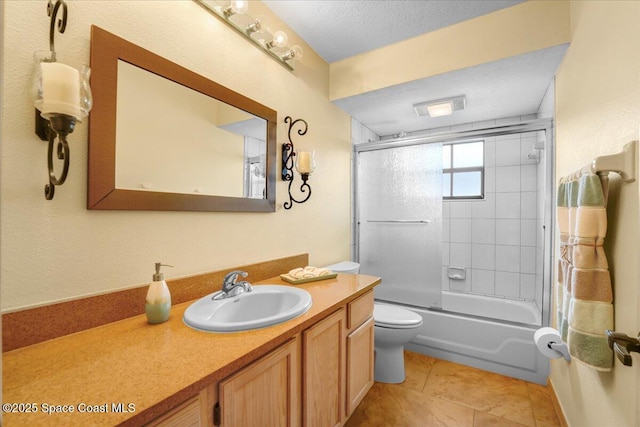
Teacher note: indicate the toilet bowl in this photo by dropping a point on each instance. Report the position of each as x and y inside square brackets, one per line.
[393, 328]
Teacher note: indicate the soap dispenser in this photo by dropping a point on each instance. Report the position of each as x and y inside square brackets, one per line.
[158, 302]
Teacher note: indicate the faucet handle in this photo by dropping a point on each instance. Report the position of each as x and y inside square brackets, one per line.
[230, 278]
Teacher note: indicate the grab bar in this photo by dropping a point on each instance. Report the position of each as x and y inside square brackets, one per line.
[402, 221]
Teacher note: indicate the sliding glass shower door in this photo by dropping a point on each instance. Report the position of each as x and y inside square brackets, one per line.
[399, 218]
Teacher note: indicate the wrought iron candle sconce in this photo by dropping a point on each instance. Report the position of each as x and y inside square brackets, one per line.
[62, 97]
[304, 163]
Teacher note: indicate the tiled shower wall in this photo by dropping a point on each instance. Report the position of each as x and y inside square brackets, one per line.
[495, 239]
[499, 240]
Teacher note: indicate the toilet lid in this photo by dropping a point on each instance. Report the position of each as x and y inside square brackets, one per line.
[394, 317]
[345, 267]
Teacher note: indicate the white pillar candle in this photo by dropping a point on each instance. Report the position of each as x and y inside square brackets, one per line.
[305, 162]
[60, 89]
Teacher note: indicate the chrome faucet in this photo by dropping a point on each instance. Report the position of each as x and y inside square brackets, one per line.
[231, 288]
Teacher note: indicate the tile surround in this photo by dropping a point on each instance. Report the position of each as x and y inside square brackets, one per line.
[460, 230]
[507, 259]
[504, 227]
[507, 179]
[508, 284]
[508, 205]
[508, 232]
[483, 281]
[483, 257]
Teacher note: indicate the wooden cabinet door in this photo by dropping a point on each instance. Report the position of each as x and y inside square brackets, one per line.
[360, 344]
[187, 414]
[324, 363]
[265, 393]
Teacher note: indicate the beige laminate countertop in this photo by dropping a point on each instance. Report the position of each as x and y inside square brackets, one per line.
[151, 367]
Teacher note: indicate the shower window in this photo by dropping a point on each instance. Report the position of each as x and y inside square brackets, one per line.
[463, 170]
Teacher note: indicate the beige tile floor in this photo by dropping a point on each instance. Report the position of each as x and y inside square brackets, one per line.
[441, 393]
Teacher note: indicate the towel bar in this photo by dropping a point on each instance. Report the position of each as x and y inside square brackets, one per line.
[402, 221]
[622, 345]
[623, 163]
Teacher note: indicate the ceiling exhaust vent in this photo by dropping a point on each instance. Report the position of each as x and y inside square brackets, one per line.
[440, 107]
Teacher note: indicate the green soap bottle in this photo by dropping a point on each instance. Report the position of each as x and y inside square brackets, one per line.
[158, 304]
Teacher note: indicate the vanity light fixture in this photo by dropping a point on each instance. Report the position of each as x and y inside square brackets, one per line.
[294, 53]
[235, 15]
[305, 163]
[440, 107]
[253, 27]
[62, 97]
[237, 7]
[279, 39]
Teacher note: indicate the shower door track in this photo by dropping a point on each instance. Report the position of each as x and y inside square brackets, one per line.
[447, 136]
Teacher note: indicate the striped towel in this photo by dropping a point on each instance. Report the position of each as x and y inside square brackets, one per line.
[584, 294]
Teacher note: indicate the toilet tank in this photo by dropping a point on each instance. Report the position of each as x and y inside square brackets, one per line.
[345, 267]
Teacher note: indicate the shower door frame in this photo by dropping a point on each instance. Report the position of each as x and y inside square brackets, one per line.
[545, 125]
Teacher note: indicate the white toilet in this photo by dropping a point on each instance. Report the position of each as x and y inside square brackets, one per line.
[394, 327]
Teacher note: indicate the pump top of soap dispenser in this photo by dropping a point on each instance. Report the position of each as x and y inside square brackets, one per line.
[159, 276]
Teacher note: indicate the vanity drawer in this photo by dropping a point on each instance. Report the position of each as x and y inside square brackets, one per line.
[359, 310]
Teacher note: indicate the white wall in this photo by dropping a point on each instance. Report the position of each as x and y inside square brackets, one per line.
[597, 112]
[57, 250]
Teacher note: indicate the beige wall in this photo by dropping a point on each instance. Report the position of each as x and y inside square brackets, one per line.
[597, 112]
[526, 27]
[56, 250]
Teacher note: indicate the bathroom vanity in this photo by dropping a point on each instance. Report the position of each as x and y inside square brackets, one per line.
[311, 370]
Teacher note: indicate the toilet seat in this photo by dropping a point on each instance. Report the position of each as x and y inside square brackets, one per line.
[395, 318]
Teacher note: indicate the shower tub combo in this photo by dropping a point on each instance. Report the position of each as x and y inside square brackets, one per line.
[399, 218]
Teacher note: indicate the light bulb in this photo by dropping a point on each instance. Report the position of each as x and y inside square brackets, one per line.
[280, 39]
[239, 6]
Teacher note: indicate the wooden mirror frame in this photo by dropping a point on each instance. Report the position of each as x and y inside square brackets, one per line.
[106, 50]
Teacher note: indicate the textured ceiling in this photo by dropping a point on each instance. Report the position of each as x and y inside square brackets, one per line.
[511, 87]
[340, 29]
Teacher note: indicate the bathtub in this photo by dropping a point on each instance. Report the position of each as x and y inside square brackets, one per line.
[502, 346]
[492, 307]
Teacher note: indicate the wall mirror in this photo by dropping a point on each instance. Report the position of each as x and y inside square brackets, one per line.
[162, 137]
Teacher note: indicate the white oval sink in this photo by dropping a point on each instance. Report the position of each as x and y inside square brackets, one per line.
[266, 305]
